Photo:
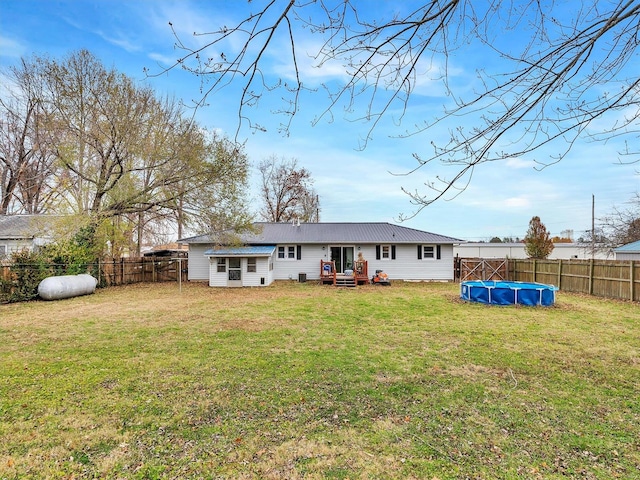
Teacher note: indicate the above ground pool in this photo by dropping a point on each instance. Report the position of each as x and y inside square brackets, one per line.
[508, 293]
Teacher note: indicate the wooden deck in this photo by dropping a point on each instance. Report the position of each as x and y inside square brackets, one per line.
[360, 276]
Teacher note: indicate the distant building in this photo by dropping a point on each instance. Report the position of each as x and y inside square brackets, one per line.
[517, 250]
[630, 251]
[167, 250]
[23, 232]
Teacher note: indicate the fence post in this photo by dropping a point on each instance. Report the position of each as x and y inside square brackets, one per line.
[632, 281]
[591, 277]
[535, 270]
[559, 273]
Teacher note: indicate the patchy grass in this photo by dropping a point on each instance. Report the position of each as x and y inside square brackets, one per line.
[307, 381]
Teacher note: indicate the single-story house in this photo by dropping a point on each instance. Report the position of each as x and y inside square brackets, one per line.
[517, 250]
[23, 232]
[288, 251]
[630, 251]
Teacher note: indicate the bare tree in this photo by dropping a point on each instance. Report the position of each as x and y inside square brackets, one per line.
[26, 158]
[622, 225]
[126, 160]
[287, 192]
[576, 66]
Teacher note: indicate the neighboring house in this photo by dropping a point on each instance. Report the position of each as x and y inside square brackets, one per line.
[630, 251]
[286, 251]
[23, 232]
[516, 250]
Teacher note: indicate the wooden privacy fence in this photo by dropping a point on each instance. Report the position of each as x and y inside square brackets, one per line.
[618, 279]
[120, 271]
[144, 269]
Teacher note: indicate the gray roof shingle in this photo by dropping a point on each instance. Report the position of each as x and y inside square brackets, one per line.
[282, 233]
[19, 227]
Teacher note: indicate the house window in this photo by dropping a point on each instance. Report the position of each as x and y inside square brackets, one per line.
[3, 251]
[429, 252]
[289, 252]
[385, 252]
[222, 265]
[251, 265]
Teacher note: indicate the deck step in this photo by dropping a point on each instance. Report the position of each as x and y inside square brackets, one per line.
[345, 282]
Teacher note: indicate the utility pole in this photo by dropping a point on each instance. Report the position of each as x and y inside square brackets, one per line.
[593, 225]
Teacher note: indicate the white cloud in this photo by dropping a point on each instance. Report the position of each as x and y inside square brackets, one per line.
[164, 60]
[517, 202]
[519, 163]
[11, 48]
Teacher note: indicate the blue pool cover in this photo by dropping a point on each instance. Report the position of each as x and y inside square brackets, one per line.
[508, 293]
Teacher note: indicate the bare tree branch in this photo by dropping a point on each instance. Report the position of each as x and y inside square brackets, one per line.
[567, 68]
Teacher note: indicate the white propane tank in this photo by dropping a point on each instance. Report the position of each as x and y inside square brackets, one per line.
[67, 286]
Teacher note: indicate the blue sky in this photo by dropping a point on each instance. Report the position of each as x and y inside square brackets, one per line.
[354, 184]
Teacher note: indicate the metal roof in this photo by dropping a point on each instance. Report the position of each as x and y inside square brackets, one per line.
[633, 247]
[256, 251]
[340, 233]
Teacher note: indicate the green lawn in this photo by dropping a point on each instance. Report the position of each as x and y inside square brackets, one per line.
[308, 381]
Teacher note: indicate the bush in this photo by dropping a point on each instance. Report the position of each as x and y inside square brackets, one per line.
[28, 269]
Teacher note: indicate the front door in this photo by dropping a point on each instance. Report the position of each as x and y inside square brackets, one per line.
[235, 272]
[343, 256]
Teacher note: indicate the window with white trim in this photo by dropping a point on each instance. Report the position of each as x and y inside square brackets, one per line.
[222, 264]
[251, 265]
[287, 252]
[428, 252]
[385, 252]
[3, 251]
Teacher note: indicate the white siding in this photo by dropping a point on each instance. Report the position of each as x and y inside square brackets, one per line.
[198, 263]
[216, 279]
[627, 256]
[7, 247]
[286, 269]
[407, 266]
[252, 279]
[249, 279]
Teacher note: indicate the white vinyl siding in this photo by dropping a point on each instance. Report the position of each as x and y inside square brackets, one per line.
[406, 266]
[309, 263]
[262, 276]
[198, 263]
